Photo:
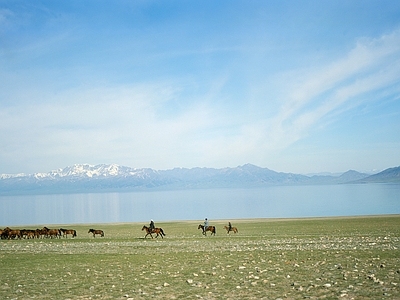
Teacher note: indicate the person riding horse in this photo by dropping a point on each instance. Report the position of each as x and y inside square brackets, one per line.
[229, 226]
[152, 226]
[205, 225]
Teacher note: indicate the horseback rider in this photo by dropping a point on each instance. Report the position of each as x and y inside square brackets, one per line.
[152, 226]
[205, 225]
[229, 226]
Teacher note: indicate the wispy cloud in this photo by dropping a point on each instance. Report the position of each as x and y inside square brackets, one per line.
[372, 65]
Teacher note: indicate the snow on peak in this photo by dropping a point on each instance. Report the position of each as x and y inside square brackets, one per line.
[6, 176]
[86, 170]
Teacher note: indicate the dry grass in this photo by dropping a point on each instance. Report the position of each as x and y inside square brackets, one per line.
[346, 258]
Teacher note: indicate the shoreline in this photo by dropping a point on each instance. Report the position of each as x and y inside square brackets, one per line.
[217, 221]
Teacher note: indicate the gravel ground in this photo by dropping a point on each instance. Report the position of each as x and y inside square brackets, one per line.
[293, 261]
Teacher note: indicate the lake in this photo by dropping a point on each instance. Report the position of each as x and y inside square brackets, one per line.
[268, 202]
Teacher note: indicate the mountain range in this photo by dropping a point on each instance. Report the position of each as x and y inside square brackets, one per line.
[82, 178]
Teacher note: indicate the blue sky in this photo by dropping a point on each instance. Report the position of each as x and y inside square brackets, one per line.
[294, 86]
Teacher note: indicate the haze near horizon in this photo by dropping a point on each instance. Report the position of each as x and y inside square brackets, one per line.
[295, 87]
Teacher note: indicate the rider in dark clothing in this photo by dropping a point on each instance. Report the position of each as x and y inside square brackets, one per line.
[152, 225]
[229, 226]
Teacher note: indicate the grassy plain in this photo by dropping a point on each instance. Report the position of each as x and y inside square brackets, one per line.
[333, 258]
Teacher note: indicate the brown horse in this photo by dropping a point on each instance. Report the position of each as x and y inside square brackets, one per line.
[41, 233]
[100, 232]
[11, 233]
[158, 231]
[234, 229]
[51, 232]
[209, 228]
[65, 232]
[28, 233]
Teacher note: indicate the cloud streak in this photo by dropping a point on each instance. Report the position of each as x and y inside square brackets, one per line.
[370, 66]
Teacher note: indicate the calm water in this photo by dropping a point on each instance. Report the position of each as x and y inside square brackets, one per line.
[270, 202]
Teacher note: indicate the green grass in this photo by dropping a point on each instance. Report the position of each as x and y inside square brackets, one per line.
[346, 258]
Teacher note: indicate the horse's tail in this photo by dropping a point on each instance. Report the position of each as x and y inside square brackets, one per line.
[74, 233]
[162, 232]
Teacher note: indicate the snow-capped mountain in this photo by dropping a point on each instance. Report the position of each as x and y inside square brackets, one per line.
[111, 177]
[90, 171]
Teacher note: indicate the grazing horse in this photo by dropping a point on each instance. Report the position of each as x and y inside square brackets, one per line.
[209, 228]
[158, 231]
[65, 232]
[100, 232]
[234, 229]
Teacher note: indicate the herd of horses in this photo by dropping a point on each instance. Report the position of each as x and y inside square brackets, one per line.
[8, 233]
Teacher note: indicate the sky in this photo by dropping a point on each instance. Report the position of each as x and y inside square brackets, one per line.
[293, 86]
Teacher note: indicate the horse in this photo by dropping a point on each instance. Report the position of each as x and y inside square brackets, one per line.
[65, 232]
[41, 233]
[52, 232]
[101, 232]
[158, 231]
[11, 233]
[209, 228]
[28, 233]
[234, 229]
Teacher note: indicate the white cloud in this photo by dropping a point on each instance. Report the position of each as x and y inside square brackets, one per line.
[371, 65]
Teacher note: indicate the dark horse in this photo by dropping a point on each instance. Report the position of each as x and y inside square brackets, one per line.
[158, 231]
[209, 228]
[101, 232]
[234, 229]
[65, 232]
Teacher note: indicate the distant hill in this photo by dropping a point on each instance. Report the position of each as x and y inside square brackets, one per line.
[82, 178]
[391, 175]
